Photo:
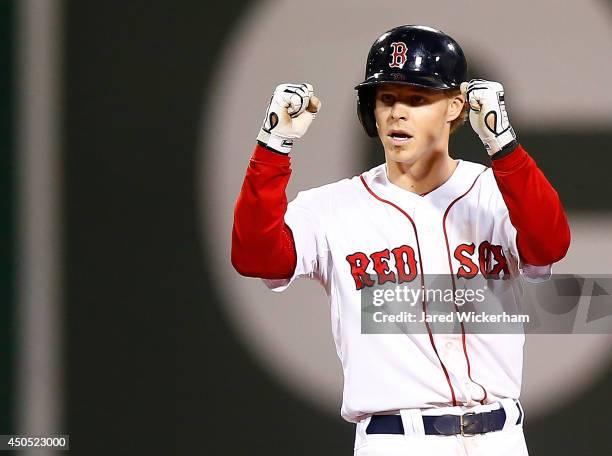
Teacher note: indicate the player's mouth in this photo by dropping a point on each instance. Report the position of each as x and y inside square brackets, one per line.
[399, 136]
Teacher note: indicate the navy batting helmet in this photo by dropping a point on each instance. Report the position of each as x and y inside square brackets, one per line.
[409, 54]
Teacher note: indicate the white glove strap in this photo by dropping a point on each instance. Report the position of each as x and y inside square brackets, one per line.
[494, 144]
[282, 145]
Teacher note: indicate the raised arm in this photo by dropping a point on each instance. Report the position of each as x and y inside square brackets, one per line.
[534, 207]
[543, 234]
[262, 244]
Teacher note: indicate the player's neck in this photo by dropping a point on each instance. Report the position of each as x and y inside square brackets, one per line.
[423, 176]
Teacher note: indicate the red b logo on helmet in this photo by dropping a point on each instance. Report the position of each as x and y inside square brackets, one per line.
[398, 56]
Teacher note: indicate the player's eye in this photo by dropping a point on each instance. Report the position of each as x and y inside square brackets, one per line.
[417, 100]
[387, 98]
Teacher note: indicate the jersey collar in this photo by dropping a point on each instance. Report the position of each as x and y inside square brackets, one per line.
[457, 184]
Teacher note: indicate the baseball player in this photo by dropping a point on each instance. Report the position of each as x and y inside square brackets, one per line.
[418, 213]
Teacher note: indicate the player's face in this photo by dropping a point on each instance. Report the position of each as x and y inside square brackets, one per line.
[414, 122]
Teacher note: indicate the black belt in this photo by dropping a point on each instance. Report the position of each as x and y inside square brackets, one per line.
[466, 424]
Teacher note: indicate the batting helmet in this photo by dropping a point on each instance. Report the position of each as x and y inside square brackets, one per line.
[409, 54]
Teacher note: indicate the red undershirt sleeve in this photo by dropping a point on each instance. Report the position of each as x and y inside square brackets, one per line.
[262, 244]
[543, 234]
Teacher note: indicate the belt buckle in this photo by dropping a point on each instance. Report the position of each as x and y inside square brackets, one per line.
[463, 424]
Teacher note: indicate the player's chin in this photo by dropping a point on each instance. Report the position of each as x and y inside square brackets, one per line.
[401, 154]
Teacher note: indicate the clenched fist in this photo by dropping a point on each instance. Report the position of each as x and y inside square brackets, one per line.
[291, 111]
[488, 115]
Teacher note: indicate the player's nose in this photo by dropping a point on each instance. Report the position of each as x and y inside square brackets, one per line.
[399, 111]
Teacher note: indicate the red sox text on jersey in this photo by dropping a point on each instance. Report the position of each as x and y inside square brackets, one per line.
[399, 264]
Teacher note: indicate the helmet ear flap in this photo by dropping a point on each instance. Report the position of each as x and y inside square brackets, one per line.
[365, 111]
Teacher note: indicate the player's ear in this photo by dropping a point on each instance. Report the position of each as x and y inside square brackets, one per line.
[456, 104]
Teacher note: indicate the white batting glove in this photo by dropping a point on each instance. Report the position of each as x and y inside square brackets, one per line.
[286, 117]
[488, 115]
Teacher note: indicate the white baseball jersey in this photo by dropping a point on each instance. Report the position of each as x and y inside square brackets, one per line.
[360, 232]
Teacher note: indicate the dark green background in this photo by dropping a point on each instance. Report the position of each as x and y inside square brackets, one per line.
[153, 368]
[7, 233]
